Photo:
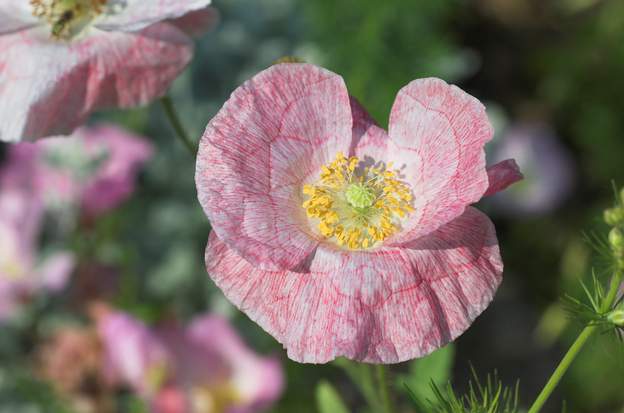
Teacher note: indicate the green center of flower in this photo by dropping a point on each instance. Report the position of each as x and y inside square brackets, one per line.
[67, 18]
[359, 195]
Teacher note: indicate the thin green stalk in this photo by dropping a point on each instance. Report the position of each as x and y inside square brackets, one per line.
[578, 344]
[362, 376]
[384, 389]
[174, 119]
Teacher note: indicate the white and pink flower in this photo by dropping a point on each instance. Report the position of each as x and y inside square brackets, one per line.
[203, 368]
[342, 239]
[60, 60]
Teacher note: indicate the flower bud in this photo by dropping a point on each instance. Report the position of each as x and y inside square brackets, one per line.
[614, 216]
[616, 240]
[616, 317]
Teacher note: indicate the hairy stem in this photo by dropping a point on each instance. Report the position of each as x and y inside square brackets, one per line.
[174, 119]
[576, 347]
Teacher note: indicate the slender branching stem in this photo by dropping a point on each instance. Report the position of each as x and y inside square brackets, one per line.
[576, 347]
[174, 119]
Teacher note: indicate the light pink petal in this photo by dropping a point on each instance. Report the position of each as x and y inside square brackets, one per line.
[54, 272]
[501, 175]
[196, 23]
[137, 14]
[258, 380]
[131, 350]
[49, 88]
[16, 15]
[437, 134]
[269, 138]
[380, 306]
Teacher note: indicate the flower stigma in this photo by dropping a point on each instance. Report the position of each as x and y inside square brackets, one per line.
[357, 206]
[67, 18]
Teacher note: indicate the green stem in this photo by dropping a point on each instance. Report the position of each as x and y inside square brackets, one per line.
[384, 389]
[362, 376]
[578, 344]
[174, 119]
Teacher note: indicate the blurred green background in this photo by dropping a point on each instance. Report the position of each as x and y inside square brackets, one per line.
[558, 63]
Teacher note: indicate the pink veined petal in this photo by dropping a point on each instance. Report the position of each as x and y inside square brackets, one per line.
[16, 15]
[381, 306]
[501, 175]
[258, 380]
[137, 14]
[437, 134]
[197, 22]
[49, 88]
[275, 131]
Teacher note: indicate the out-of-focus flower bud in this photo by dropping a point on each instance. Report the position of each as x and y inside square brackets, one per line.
[616, 317]
[614, 216]
[616, 240]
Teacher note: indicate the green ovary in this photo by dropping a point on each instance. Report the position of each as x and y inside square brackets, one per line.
[359, 196]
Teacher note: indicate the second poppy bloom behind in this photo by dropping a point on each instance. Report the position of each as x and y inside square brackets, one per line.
[342, 239]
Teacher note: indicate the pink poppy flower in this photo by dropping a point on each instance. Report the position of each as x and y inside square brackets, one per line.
[60, 60]
[24, 272]
[94, 169]
[203, 368]
[342, 239]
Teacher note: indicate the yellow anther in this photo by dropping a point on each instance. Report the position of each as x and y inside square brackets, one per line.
[67, 18]
[357, 208]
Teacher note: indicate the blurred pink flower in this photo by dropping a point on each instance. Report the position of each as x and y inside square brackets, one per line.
[95, 168]
[375, 255]
[24, 271]
[548, 168]
[70, 360]
[203, 368]
[61, 60]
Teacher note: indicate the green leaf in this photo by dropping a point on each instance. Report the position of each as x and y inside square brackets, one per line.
[328, 400]
[435, 368]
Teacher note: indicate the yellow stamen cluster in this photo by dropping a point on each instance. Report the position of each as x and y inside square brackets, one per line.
[67, 17]
[357, 206]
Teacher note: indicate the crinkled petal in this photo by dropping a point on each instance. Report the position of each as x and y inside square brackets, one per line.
[437, 134]
[501, 175]
[16, 15]
[380, 306]
[49, 88]
[269, 138]
[130, 15]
